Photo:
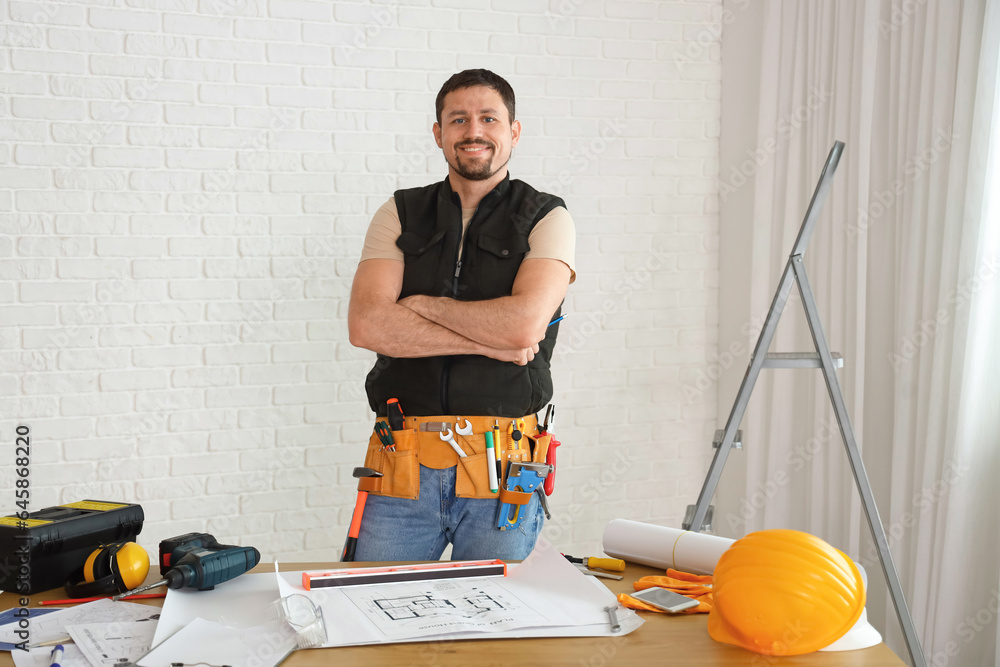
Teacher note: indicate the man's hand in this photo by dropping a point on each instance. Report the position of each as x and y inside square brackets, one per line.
[378, 322]
[519, 357]
[512, 322]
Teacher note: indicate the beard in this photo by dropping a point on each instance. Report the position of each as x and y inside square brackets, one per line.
[479, 169]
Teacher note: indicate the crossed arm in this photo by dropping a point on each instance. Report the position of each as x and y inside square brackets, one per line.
[508, 328]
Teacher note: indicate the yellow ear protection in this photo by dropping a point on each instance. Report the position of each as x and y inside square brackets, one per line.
[111, 569]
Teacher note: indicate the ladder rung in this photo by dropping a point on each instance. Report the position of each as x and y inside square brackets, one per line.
[720, 433]
[800, 360]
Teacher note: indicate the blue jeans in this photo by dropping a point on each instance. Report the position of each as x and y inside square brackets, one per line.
[395, 529]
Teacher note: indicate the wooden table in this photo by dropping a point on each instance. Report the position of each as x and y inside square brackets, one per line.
[662, 639]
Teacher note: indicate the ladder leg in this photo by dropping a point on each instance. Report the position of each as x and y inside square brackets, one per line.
[857, 465]
[742, 398]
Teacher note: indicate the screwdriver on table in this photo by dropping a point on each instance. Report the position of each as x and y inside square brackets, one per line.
[612, 564]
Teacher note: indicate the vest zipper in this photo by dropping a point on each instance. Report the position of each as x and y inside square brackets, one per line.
[458, 259]
[446, 370]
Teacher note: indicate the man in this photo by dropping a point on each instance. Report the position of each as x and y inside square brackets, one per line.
[457, 284]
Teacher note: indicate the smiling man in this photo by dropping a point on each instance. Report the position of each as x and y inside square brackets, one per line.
[457, 284]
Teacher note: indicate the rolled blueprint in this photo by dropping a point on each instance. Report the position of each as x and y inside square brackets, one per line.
[662, 547]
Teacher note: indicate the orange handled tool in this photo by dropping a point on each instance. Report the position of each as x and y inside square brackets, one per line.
[613, 564]
[394, 413]
[351, 544]
[550, 455]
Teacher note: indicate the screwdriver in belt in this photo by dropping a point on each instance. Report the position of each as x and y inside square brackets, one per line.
[612, 564]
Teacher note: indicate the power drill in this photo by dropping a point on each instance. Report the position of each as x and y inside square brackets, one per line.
[197, 560]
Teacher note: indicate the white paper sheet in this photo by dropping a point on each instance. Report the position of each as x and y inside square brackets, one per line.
[416, 610]
[10, 619]
[565, 602]
[560, 600]
[110, 644]
[52, 627]
[238, 602]
[212, 643]
[41, 657]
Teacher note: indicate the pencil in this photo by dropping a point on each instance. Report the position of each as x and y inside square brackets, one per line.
[147, 596]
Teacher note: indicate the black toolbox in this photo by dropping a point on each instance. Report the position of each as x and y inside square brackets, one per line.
[45, 549]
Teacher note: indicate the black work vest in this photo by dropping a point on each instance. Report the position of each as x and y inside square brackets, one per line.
[495, 244]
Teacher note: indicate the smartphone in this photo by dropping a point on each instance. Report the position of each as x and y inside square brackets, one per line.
[663, 599]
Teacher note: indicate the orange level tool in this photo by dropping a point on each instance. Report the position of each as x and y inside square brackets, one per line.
[394, 573]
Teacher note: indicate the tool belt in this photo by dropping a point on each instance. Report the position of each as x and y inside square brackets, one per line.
[419, 443]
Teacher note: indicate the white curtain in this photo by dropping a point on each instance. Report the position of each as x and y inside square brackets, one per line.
[904, 266]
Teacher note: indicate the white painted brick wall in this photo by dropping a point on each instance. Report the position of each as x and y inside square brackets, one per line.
[184, 189]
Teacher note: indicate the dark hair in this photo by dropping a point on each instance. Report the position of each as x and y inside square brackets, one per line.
[476, 77]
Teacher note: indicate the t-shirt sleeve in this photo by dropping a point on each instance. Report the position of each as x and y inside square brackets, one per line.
[554, 237]
[384, 229]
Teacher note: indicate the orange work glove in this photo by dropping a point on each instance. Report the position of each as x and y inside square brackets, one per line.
[695, 586]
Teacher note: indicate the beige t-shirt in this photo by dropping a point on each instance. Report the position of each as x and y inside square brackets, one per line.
[554, 237]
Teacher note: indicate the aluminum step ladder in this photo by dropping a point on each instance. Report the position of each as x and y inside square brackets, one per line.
[731, 436]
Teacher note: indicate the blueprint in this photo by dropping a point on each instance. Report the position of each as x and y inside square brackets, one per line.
[454, 605]
[8, 618]
[545, 596]
[52, 627]
[42, 657]
[110, 644]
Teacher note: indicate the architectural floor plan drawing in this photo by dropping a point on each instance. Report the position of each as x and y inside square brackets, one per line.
[458, 605]
[428, 606]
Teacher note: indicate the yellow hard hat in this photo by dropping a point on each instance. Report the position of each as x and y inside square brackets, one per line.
[784, 592]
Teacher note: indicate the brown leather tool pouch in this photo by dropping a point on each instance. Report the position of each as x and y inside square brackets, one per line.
[400, 474]
[472, 476]
[416, 446]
